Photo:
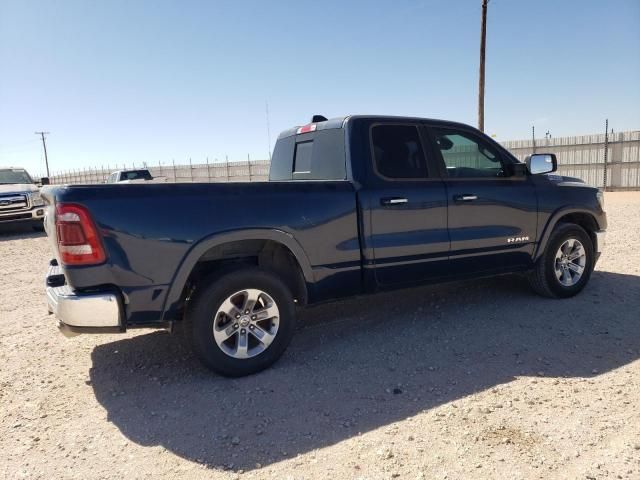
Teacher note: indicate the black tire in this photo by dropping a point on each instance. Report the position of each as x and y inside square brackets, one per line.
[201, 315]
[543, 279]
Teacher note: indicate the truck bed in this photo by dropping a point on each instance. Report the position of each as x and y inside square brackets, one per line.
[153, 232]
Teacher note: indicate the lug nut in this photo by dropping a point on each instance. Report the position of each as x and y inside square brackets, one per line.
[243, 331]
[251, 327]
[253, 317]
[237, 315]
[246, 312]
[235, 325]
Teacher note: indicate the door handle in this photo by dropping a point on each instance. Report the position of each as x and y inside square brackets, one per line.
[393, 201]
[467, 197]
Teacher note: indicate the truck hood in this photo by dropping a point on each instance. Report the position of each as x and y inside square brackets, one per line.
[566, 181]
[18, 188]
[573, 180]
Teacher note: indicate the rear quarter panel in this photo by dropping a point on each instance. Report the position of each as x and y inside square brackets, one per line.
[150, 230]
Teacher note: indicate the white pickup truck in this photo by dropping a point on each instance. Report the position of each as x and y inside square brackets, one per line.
[133, 176]
[20, 199]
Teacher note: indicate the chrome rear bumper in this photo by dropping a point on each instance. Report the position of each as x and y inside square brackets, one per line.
[96, 312]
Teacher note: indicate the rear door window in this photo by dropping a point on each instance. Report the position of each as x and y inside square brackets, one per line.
[397, 152]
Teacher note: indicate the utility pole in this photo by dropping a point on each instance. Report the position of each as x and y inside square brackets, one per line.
[44, 145]
[483, 43]
[606, 153]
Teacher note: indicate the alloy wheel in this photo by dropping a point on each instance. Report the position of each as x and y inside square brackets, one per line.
[570, 261]
[246, 323]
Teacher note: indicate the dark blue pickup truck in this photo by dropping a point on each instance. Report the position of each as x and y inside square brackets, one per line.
[353, 205]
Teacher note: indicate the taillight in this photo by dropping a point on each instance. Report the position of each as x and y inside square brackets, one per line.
[78, 239]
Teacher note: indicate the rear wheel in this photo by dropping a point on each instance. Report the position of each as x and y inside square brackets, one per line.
[241, 322]
[566, 264]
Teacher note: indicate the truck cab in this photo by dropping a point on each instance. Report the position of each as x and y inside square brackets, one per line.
[20, 200]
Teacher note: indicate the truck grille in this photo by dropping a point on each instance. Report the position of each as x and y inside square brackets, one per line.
[13, 203]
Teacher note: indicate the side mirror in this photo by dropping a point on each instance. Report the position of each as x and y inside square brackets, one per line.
[541, 163]
[44, 181]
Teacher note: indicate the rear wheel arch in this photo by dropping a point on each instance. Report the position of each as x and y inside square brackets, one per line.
[271, 250]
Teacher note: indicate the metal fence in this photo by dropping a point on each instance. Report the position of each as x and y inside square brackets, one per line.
[247, 171]
[580, 156]
[584, 157]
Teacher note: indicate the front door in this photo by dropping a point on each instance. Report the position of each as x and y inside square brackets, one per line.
[406, 204]
[492, 213]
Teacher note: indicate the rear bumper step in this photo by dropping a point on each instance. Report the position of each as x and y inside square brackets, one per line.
[600, 240]
[95, 312]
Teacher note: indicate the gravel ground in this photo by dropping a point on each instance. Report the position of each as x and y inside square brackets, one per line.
[478, 379]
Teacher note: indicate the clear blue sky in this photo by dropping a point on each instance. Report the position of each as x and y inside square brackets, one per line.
[124, 81]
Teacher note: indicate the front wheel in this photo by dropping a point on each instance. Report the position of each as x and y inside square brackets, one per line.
[565, 267]
[241, 322]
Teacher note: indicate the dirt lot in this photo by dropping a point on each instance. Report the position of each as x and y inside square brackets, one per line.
[479, 379]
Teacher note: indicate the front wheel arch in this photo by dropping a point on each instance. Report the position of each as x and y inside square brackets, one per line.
[585, 219]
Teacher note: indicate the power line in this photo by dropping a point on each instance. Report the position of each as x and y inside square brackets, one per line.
[44, 145]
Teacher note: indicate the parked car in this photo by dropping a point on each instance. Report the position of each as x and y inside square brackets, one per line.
[353, 205]
[20, 200]
[129, 176]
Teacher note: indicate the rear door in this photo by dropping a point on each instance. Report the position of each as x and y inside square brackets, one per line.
[406, 204]
[492, 213]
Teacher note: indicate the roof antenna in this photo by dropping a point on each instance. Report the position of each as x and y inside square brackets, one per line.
[318, 118]
[268, 128]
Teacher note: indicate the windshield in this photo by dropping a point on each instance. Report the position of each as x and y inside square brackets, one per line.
[14, 176]
[136, 175]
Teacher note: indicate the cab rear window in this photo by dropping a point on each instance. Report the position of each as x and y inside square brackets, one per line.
[302, 157]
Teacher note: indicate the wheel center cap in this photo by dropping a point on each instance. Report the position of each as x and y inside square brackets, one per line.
[245, 321]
